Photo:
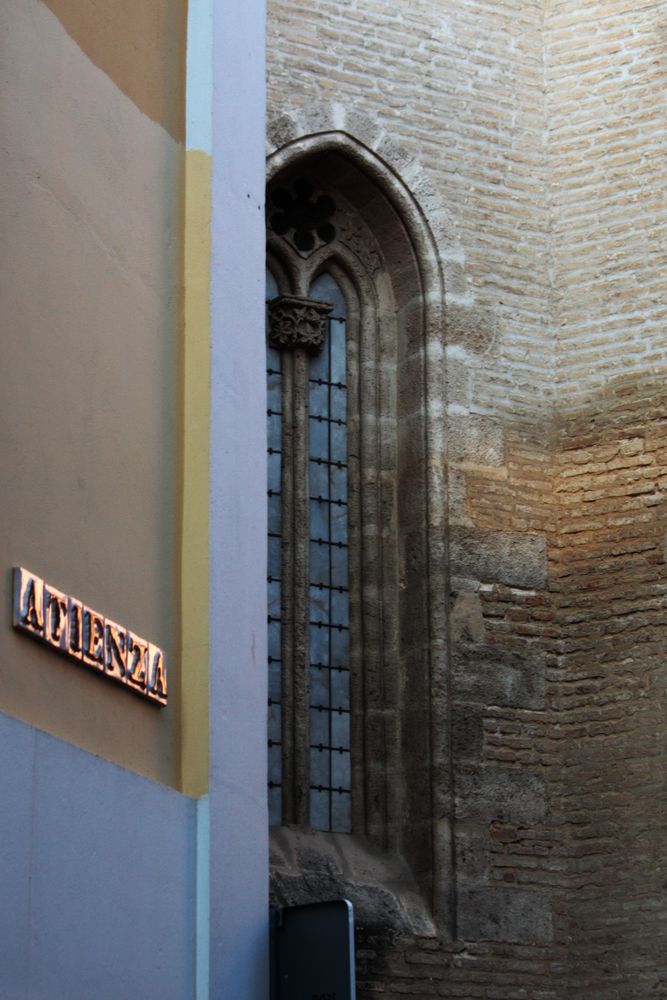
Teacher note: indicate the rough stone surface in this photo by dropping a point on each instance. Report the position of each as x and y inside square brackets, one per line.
[470, 328]
[506, 915]
[491, 793]
[534, 133]
[488, 675]
[512, 558]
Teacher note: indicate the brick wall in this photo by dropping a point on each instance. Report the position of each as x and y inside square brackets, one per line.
[606, 118]
[540, 127]
[459, 87]
[609, 577]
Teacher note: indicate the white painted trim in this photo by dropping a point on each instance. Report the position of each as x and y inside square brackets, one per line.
[202, 897]
[199, 76]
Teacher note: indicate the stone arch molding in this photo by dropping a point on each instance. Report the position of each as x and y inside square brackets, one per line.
[422, 689]
[297, 131]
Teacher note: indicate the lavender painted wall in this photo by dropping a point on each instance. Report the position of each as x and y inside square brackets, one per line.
[97, 875]
[238, 705]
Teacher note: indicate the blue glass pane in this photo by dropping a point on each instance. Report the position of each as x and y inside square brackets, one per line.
[319, 645]
[340, 729]
[275, 764]
[319, 519]
[319, 480]
[319, 686]
[329, 609]
[319, 604]
[339, 568]
[340, 770]
[319, 563]
[273, 463]
[273, 361]
[274, 640]
[274, 431]
[275, 806]
[274, 675]
[319, 810]
[320, 767]
[338, 361]
[319, 365]
[275, 722]
[338, 401]
[338, 479]
[325, 289]
[319, 400]
[273, 403]
[319, 727]
[318, 445]
[273, 382]
[340, 648]
[338, 442]
[275, 515]
[274, 434]
[274, 556]
[323, 630]
[274, 599]
[340, 608]
[338, 518]
[340, 689]
[341, 821]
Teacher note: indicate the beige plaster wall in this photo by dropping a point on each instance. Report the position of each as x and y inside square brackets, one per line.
[140, 45]
[90, 201]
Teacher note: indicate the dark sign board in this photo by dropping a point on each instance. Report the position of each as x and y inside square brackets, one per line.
[313, 952]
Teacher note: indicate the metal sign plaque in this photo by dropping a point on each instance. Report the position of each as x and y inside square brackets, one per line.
[87, 637]
[314, 952]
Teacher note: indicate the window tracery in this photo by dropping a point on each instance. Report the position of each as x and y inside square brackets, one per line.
[314, 325]
[382, 260]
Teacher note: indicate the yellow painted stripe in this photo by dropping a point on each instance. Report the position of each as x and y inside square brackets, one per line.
[196, 411]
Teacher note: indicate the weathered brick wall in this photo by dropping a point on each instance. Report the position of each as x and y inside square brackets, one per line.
[609, 576]
[606, 116]
[540, 128]
[459, 88]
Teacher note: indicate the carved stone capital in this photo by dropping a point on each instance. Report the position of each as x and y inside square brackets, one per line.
[298, 322]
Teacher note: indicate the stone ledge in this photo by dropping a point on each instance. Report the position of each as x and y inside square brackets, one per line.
[309, 866]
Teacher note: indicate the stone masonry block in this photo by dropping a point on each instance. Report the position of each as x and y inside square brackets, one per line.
[466, 619]
[493, 793]
[471, 328]
[472, 854]
[467, 731]
[517, 915]
[519, 560]
[475, 439]
[458, 379]
[491, 676]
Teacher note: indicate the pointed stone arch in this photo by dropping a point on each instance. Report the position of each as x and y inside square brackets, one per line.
[392, 262]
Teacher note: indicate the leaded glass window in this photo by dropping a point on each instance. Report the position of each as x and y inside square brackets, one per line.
[274, 415]
[329, 624]
[309, 673]
[360, 713]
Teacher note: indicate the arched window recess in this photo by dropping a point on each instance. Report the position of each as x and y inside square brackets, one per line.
[358, 706]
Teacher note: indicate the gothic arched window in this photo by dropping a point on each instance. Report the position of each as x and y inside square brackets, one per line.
[308, 574]
[358, 701]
